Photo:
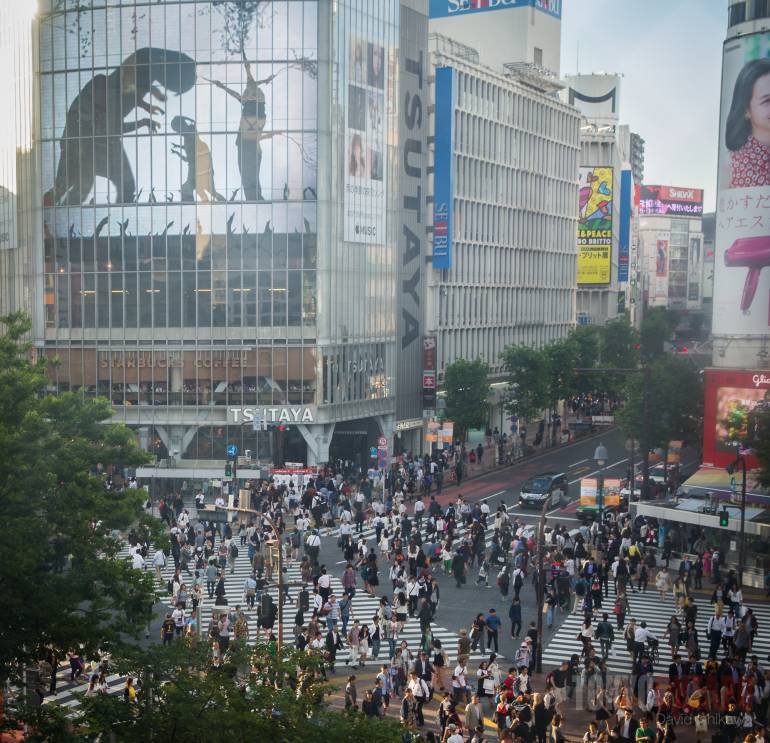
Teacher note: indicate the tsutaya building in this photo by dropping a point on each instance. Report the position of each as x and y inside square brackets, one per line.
[224, 224]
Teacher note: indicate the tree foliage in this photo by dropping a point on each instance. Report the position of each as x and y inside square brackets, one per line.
[182, 696]
[658, 325]
[467, 391]
[58, 589]
[618, 349]
[758, 442]
[674, 405]
[528, 376]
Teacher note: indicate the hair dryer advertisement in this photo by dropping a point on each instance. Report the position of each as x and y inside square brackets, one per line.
[741, 283]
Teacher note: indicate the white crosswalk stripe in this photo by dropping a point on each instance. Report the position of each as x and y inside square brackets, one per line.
[649, 608]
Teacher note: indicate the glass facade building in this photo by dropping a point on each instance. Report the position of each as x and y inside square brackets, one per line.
[217, 200]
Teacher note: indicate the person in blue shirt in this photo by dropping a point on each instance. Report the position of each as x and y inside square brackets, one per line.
[493, 626]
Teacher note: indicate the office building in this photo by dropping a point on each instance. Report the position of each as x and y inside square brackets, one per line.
[224, 233]
[504, 195]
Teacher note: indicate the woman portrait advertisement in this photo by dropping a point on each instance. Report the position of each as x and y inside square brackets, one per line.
[747, 130]
[357, 159]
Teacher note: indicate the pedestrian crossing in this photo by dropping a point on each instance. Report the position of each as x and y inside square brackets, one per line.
[657, 613]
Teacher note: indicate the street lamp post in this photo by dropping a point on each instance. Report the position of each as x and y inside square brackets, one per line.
[740, 462]
[600, 456]
[540, 584]
[277, 538]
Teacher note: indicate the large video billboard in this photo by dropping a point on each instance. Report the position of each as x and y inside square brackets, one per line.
[671, 201]
[741, 287]
[732, 400]
[364, 166]
[594, 232]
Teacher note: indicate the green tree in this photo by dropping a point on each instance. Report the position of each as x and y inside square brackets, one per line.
[674, 405]
[658, 325]
[618, 349]
[758, 442]
[562, 358]
[59, 587]
[529, 390]
[183, 697]
[467, 391]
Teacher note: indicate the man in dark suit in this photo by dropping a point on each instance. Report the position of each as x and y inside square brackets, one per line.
[423, 668]
[625, 730]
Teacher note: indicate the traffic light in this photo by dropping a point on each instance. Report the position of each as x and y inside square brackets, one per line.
[724, 518]
[228, 470]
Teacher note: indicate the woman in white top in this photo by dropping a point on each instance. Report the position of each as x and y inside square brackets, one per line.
[385, 545]
[353, 636]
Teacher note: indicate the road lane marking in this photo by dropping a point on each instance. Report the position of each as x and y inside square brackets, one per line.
[602, 469]
[491, 496]
[580, 462]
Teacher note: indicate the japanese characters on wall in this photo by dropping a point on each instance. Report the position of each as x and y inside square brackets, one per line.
[742, 251]
[594, 232]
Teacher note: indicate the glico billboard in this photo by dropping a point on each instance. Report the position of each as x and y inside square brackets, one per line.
[733, 400]
[742, 250]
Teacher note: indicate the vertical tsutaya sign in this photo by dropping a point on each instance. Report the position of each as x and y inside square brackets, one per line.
[443, 167]
[413, 110]
[624, 239]
[742, 260]
[594, 233]
[365, 186]
[428, 374]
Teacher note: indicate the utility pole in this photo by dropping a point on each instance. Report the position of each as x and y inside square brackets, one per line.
[647, 372]
[540, 584]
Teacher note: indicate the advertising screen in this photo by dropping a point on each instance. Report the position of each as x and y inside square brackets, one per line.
[661, 257]
[671, 201]
[452, 8]
[364, 166]
[594, 233]
[626, 209]
[741, 287]
[732, 400]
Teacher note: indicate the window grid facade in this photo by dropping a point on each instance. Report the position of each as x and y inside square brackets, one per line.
[512, 279]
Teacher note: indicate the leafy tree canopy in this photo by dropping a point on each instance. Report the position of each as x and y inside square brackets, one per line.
[467, 392]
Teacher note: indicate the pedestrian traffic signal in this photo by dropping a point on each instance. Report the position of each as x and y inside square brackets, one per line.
[724, 518]
[228, 470]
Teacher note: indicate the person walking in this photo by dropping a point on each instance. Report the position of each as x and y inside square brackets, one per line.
[514, 613]
[493, 628]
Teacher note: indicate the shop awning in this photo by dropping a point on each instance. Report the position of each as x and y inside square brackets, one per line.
[725, 487]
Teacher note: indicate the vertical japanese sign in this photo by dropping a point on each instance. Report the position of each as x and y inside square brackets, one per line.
[624, 240]
[428, 375]
[742, 248]
[443, 167]
[594, 233]
[364, 153]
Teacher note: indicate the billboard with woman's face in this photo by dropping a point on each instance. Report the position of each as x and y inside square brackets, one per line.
[741, 287]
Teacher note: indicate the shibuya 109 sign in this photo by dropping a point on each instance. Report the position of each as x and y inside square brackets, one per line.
[267, 415]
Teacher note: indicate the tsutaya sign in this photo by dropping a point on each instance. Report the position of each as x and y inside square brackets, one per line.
[298, 414]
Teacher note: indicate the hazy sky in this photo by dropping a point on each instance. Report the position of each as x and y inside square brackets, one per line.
[670, 56]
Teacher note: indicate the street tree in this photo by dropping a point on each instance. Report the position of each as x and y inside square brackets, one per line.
[528, 374]
[253, 694]
[467, 394]
[758, 442]
[658, 325]
[562, 356]
[59, 586]
[674, 403]
[619, 348]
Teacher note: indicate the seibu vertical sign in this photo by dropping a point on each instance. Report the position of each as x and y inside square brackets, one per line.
[443, 167]
[412, 168]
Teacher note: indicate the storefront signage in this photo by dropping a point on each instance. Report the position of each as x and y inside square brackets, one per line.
[408, 425]
[298, 414]
[760, 380]
[172, 360]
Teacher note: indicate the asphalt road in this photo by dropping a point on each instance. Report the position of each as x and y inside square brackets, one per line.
[458, 607]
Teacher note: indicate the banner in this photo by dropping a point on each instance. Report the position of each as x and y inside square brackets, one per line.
[611, 492]
[364, 153]
[443, 167]
[661, 258]
[594, 232]
[671, 201]
[742, 247]
[428, 375]
[624, 239]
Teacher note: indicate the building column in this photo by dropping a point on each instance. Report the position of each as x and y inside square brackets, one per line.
[318, 437]
[176, 438]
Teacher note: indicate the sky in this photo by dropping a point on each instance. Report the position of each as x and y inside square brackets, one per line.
[670, 57]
